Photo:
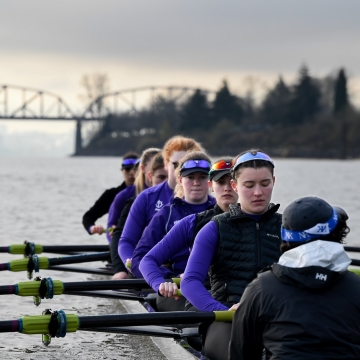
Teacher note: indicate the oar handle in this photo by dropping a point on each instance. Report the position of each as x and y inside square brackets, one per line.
[108, 229]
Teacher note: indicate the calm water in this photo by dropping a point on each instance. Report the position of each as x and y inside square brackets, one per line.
[43, 200]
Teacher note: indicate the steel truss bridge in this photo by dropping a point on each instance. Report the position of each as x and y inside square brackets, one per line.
[22, 103]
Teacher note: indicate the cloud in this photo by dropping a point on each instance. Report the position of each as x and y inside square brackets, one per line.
[203, 34]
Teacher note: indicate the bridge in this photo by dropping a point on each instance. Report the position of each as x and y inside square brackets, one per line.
[22, 103]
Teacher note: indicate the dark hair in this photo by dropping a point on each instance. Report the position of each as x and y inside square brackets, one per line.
[337, 235]
[255, 164]
[131, 155]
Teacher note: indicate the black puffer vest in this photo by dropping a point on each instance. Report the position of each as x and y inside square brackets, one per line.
[204, 217]
[245, 247]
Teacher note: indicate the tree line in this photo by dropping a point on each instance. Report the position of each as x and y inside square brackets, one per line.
[313, 117]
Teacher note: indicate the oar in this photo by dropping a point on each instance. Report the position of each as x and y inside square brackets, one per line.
[150, 330]
[29, 248]
[98, 271]
[58, 323]
[47, 287]
[352, 248]
[34, 263]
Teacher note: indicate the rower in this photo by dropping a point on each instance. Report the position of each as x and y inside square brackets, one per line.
[306, 306]
[182, 236]
[141, 183]
[102, 205]
[155, 176]
[191, 197]
[234, 246]
[151, 200]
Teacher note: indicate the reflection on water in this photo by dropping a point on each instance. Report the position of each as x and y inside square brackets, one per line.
[43, 200]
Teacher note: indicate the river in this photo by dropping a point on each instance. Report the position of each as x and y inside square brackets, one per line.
[42, 200]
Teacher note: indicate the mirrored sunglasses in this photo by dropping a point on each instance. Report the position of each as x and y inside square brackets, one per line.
[191, 164]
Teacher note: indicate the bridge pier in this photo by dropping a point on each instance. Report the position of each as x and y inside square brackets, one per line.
[78, 139]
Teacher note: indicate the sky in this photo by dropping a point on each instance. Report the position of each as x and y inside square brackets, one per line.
[50, 45]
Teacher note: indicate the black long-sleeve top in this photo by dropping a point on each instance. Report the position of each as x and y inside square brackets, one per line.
[101, 206]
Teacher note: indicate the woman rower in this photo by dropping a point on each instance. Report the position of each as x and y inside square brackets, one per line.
[141, 183]
[182, 235]
[191, 197]
[102, 205]
[156, 176]
[151, 200]
[234, 247]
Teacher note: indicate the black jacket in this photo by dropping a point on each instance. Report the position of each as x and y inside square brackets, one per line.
[245, 247]
[101, 206]
[307, 313]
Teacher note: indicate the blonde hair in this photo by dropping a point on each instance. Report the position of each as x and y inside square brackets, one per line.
[191, 155]
[157, 163]
[180, 143]
[146, 157]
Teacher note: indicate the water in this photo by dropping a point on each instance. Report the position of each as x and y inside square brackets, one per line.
[43, 200]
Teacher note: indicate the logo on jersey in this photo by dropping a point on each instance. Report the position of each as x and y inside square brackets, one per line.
[159, 204]
[319, 276]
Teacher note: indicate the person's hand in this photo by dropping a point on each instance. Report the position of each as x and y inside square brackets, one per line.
[128, 265]
[97, 229]
[234, 307]
[120, 275]
[169, 289]
[111, 230]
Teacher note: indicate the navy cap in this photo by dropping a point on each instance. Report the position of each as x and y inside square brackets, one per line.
[308, 218]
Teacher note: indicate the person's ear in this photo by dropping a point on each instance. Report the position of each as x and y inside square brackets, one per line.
[210, 185]
[233, 185]
[149, 176]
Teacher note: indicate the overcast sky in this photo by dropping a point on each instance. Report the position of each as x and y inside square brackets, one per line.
[50, 44]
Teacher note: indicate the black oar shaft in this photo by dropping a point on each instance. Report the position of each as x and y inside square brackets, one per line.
[105, 285]
[77, 259]
[101, 271]
[78, 248]
[9, 326]
[175, 317]
[7, 289]
[352, 248]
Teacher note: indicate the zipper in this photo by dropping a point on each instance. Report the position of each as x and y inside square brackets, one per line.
[258, 243]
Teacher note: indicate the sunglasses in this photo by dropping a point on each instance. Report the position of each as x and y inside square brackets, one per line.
[249, 157]
[192, 164]
[220, 166]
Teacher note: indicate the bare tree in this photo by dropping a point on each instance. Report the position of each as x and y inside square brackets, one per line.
[96, 85]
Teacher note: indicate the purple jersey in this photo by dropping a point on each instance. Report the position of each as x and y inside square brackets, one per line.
[117, 206]
[178, 239]
[204, 249]
[160, 225]
[145, 206]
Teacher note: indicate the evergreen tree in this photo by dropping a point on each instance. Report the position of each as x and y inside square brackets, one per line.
[306, 98]
[341, 100]
[227, 106]
[275, 107]
[195, 112]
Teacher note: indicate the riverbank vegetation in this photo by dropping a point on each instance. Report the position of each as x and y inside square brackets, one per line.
[313, 117]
